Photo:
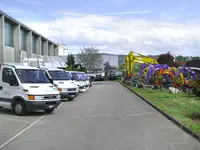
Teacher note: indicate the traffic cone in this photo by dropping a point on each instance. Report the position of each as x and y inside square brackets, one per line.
[90, 83]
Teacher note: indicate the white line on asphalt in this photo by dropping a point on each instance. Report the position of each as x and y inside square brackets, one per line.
[19, 133]
[60, 104]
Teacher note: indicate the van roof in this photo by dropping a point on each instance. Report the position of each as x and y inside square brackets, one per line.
[193, 68]
[20, 66]
[55, 69]
[75, 71]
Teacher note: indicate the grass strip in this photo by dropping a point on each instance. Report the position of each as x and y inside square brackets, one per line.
[183, 107]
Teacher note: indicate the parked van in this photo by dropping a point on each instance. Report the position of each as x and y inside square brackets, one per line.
[63, 82]
[79, 80]
[87, 78]
[24, 88]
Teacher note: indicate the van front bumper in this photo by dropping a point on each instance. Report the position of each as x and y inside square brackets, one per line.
[82, 88]
[64, 96]
[42, 105]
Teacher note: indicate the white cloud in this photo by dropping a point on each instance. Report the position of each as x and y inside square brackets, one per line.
[114, 34]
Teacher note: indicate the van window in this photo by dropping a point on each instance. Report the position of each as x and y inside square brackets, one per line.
[75, 76]
[78, 76]
[7, 75]
[59, 75]
[31, 76]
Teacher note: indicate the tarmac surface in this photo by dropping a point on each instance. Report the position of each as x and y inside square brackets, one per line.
[106, 117]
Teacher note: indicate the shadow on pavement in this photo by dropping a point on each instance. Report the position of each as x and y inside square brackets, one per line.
[5, 111]
[103, 82]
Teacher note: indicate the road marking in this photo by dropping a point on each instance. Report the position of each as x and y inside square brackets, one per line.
[60, 104]
[19, 133]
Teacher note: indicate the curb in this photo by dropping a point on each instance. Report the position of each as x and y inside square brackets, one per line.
[181, 126]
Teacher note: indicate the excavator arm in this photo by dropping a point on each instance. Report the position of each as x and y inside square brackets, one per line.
[132, 58]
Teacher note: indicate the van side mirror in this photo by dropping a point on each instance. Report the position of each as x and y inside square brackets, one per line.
[72, 78]
[13, 82]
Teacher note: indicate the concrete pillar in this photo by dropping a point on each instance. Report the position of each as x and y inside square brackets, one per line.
[16, 42]
[46, 48]
[29, 43]
[38, 45]
[56, 51]
[49, 46]
[1, 38]
[51, 49]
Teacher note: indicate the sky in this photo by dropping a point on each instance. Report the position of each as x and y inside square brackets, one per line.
[114, 26]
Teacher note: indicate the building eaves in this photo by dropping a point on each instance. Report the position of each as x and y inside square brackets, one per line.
[24, 26]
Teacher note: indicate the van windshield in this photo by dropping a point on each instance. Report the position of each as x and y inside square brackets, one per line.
[59, 75]
[31, 76]
[78, 76]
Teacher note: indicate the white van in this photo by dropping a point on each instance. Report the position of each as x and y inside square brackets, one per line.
[24, 88]
[62, 80]
[87, 79]
[79, 80]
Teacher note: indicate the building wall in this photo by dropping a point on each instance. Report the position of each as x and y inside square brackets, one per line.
[18, 41]
[9, 54]
[111, 58]
[62, 50]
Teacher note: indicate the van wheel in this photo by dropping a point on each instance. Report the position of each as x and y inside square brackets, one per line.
[19, 108]
[49, 110]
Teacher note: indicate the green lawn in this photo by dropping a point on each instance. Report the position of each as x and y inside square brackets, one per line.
[183, 107]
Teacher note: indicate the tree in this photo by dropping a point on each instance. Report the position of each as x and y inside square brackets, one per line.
[90, 58]
[195, 58]
[167, 59]
[180, 58]
[79, 67]
[70, 61]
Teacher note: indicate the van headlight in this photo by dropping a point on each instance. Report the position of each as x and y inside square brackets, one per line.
[58, 97]
[60, 89]
[33, 97]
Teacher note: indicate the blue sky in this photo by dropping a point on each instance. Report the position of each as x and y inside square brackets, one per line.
[114, 26]
[46, 9]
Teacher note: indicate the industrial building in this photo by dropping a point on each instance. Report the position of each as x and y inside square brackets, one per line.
[62, 50]
[17, 41]
[111, 58]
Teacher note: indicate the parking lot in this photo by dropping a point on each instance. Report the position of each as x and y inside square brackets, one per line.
[11, 124]
[106, 117]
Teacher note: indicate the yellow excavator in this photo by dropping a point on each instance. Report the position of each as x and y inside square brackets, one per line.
[133, 57]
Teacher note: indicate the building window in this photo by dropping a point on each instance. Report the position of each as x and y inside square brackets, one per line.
[23, 39]
[8, 34]
[34, 44]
